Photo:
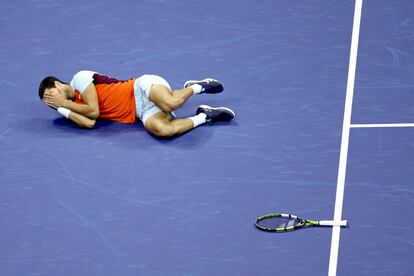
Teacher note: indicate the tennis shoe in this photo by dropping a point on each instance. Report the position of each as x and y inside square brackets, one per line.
[209, 86]
[216, 114]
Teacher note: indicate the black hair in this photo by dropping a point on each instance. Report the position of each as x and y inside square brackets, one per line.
[48, 82]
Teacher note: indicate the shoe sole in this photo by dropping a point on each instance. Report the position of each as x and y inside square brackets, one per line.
[215, 108]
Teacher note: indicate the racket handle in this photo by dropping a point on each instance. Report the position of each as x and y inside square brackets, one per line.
[333, 223]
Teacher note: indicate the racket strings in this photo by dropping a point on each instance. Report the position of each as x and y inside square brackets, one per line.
[279, 222]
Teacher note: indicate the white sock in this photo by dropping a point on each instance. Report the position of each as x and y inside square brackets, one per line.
[196, 88]
[199, 119]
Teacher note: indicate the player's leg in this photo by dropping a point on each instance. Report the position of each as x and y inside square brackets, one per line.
[168, 100]
[161, 123]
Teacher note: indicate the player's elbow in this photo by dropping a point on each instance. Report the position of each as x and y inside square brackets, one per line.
[94, 114]
[90, 124]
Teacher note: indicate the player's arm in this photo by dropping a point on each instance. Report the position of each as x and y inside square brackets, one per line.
[90, 108]
[80, 120]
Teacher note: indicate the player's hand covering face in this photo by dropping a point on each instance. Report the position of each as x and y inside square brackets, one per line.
[54, 97]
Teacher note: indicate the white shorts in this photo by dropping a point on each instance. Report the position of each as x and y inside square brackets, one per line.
[142, 88]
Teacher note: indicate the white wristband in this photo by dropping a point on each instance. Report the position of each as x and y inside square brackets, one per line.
[64, 112]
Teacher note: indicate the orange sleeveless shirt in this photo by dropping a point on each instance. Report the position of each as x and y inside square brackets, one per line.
[115, 98]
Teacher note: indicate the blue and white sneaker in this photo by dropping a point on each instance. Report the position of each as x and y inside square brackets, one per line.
[210, 86]
[216, 114]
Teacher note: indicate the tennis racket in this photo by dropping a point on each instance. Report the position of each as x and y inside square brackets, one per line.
[286, 222]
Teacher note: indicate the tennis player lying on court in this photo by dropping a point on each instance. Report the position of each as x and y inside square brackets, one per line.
[92, 95]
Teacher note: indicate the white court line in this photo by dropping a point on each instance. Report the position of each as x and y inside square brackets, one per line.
[381, 125]
[336, 230]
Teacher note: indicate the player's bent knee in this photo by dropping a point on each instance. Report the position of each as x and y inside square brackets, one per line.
[161, 129]
[167, 131]
[164, 99]
[174, 103]
[164, 132]
[166, 107]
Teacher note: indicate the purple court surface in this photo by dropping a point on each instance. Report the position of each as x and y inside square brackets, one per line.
[117, 201]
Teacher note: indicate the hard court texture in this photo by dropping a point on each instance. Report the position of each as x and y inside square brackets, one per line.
[117, 201]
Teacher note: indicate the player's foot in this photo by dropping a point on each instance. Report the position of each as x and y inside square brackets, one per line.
[210, 86]
[216, 114]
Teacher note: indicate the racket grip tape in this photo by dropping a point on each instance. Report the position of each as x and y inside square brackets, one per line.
[343, 223]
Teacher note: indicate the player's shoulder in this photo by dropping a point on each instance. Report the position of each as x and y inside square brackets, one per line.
[82, 79]
[84, 73]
